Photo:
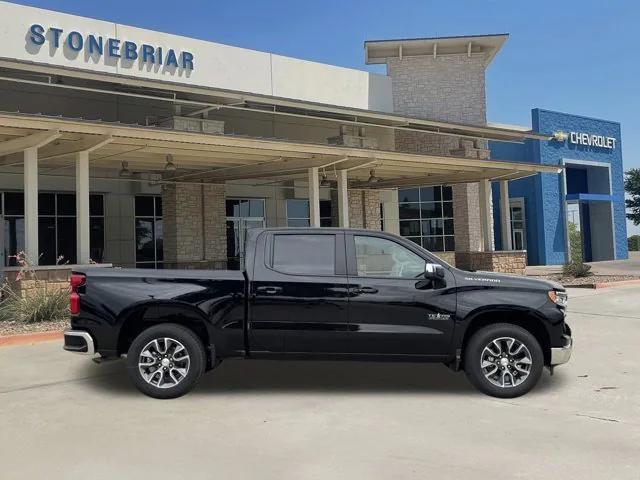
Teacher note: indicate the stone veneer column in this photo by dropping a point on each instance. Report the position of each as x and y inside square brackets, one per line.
[194, 226]
[448, 88]
[215, 226]
[364, 209]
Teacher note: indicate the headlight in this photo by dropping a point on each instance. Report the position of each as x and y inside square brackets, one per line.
[559, 298]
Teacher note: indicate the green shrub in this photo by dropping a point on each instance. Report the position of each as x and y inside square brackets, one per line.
[576, 269]
[634, 243]
[575, 243]
[39, 305]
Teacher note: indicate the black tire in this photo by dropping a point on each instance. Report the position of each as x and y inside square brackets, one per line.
[193, 347]
[473, 361]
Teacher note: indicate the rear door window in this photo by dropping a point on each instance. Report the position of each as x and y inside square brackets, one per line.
[304, 254]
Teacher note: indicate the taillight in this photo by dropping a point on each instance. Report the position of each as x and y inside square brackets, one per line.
[76, 280]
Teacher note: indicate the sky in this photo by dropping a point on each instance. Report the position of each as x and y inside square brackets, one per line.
[577, 57]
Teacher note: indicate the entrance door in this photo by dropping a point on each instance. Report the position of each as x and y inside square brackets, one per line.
[518, 228]
[242, 215]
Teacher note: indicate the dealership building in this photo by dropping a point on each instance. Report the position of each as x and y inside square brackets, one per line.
[132, 147]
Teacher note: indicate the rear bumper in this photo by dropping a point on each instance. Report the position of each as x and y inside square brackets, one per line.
[79, 341]
[560, 355]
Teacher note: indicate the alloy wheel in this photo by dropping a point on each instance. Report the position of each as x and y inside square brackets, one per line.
[164, 362]
[506, 362]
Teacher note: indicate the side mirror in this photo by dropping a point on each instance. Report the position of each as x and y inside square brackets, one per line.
[433, 271]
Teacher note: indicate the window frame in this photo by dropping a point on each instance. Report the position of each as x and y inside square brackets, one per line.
[155, 262]
[518, 202]
[55, 216]
[308, 218]
[339, 266]
[419, 203]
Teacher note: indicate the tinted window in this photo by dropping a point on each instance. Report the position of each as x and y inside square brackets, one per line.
[66, 204]
[378, 257]
[13, 204]
[96, 207]
[144, 206]
[304, 254]
[46, 204]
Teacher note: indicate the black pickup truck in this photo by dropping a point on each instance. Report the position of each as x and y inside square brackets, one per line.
[321, 294]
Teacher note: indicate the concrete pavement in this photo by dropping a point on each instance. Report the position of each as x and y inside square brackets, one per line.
[630, 266]
[62, 416]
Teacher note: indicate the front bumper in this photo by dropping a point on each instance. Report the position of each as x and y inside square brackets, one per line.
[79, 341]
[560, 355]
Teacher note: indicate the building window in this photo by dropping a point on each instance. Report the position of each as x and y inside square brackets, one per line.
[56, 227]
[426, 217]
[518, 228]
[149, 232]
[299, 214]
[242, 215]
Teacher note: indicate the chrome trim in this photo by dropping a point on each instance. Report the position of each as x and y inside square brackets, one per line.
[560, 355]
[91, 349]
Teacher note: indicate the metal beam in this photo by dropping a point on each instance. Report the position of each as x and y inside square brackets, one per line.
[35, 140]
[88, 144]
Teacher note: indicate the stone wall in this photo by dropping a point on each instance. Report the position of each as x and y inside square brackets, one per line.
[449, 257]
[364, 209]
[448, 88]
[56, 278]
[194, 226]
[512, 261]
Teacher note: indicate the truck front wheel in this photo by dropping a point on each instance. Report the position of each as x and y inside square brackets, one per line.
[166, 361]
[503, 360]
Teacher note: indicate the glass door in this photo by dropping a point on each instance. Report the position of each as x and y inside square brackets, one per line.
[518, 229]
[242, 215]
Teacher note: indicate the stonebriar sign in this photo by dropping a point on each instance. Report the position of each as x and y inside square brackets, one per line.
[97, 45]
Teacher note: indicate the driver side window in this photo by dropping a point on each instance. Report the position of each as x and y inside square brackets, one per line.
[379, 257]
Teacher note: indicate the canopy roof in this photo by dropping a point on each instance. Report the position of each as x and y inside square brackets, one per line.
[219, 158]
[377, 51]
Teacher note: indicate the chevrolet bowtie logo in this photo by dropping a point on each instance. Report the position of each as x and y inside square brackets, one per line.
[560, 136]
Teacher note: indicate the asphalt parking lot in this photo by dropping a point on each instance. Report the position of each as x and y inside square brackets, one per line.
[62, 416]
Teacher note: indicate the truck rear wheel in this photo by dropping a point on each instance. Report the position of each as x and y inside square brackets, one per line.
[166, 361]
[503, 360]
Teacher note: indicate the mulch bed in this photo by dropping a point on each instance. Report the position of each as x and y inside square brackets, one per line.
[587, 281]
[17, 328]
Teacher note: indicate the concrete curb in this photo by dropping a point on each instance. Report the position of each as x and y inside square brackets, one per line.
[29, 338]
[621, 283]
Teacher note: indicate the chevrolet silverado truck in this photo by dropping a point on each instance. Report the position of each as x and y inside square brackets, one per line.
[320, 294]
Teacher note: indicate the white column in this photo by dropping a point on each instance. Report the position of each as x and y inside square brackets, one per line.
[390, 211]
[31, 205]
[505, 215]
[82, 208]
[314, 197]
[486, 216]
[343, 199]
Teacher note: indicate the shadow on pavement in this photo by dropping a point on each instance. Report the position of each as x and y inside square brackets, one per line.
[264, 376]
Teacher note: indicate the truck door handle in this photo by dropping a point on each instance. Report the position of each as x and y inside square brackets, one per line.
[366, 290]
[269, 290]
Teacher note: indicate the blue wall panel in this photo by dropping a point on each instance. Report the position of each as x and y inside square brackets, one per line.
[544, 202]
